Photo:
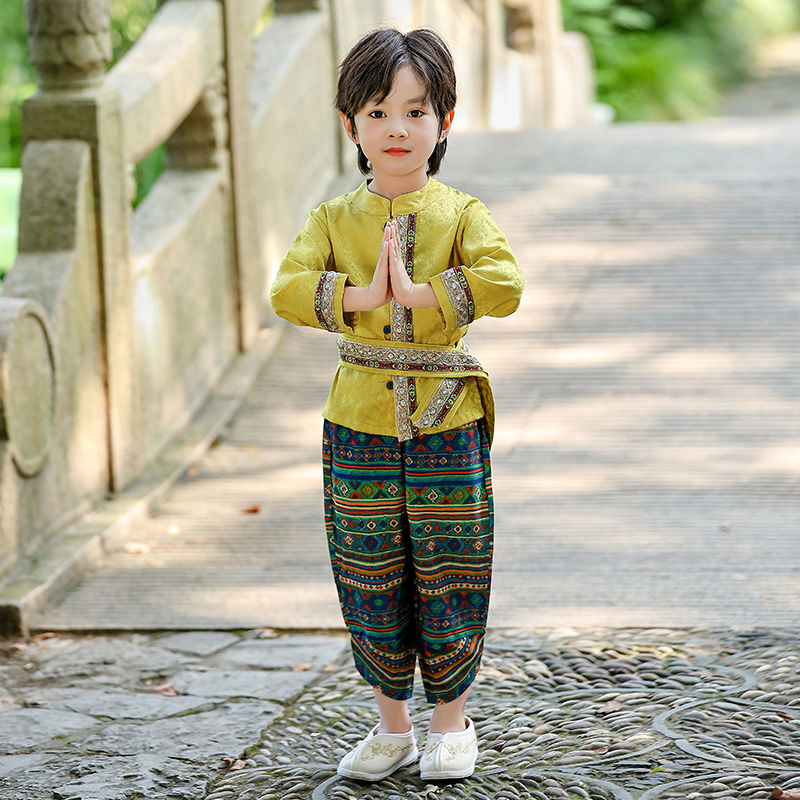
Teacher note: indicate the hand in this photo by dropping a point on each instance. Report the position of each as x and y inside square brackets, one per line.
[379, 292]
[401, 283]
[403, 289]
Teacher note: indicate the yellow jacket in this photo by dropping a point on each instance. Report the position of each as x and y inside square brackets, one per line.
[451, 242]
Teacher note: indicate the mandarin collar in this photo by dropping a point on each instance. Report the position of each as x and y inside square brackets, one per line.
[407, 203]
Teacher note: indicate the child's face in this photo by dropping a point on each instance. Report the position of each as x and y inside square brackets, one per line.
[399, 134]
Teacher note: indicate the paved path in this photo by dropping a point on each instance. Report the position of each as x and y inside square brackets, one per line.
[648, 450]
[214, 715]
[773, 88]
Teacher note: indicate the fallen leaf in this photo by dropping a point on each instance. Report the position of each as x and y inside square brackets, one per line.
[165, 689]
[40, 637]
[234, 763]
[790, 794]
[303, 666]
[611, 705]
[251, 510]
[266, 633]
[137, 548]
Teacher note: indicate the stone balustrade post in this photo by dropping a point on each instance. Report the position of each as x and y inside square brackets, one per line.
[235, 84]
[547, 29]
[70, 49]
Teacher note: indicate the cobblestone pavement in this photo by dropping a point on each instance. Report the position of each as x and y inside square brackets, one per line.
[624, 714]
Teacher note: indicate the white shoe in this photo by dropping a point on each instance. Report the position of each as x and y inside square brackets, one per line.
[379, 755]
[450, 755]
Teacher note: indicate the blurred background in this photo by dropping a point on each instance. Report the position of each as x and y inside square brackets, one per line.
[654, 60]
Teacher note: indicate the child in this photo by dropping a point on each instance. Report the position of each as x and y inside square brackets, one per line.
[399, 268]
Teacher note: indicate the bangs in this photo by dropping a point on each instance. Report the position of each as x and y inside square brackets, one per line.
[377, 80]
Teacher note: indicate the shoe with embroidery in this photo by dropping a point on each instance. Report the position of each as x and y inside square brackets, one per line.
[450, 755]
[379, 755]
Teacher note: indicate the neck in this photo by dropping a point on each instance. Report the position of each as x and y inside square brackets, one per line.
[390, 187]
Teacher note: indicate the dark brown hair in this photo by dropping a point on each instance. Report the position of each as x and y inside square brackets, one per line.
[367, 72]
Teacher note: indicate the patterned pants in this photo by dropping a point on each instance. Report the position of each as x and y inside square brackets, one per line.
[410, 533]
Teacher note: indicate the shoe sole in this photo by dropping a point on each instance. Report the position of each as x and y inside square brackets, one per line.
[446, 776]
[376, 776]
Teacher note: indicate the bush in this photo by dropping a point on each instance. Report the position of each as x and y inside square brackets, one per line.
[660, 59]
[17, 80]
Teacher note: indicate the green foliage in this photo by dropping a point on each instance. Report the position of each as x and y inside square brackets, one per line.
[656, 77]
[671, 59]
[129, 18]
[9, 202]
[17, 80]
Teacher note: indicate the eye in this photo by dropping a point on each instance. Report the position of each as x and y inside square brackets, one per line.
[417, 112]
[376, 114]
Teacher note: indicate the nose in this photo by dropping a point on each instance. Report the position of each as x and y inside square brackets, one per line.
[397, 130]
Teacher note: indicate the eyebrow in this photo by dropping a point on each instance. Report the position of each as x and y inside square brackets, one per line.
[414, 101]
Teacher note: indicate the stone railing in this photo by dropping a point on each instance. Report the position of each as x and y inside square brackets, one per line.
[115, 324]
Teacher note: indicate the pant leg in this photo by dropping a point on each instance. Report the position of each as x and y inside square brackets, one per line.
[451, 520]
[370, 555]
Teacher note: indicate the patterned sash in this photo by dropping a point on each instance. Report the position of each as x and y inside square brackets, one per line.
[450, 364]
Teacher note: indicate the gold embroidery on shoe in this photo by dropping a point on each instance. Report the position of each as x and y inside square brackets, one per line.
[463, 749]
[386, 750]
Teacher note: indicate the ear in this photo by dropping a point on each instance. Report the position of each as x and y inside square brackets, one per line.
[348, 127]
[446, 123]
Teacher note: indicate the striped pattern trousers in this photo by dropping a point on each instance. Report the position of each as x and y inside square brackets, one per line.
[410, 535]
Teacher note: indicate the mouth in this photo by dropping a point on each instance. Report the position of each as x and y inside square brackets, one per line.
[396, 151]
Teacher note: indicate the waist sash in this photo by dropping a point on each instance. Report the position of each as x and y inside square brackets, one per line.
[451, 365]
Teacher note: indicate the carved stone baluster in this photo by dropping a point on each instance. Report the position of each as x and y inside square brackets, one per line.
[69, 42]
[70, 49]
[200, 142]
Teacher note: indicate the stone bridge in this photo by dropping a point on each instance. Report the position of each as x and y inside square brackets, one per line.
[643, 640]
[117, 324]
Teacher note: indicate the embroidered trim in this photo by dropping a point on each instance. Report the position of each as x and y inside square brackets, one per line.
[460, 295]
[443, 400]
[401, 317]
[323, 301]
[399, 359]
[402, 407]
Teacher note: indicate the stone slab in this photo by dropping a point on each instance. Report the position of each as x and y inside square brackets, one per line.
[24, 728]
[199, 643]
[293, 652]
[218, 683]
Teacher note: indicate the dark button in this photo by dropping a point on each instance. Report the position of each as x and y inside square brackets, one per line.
[389, 385]
[387, 329]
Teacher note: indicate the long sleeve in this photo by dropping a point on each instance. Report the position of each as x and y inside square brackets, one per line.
[307, 290]
[487, 279]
